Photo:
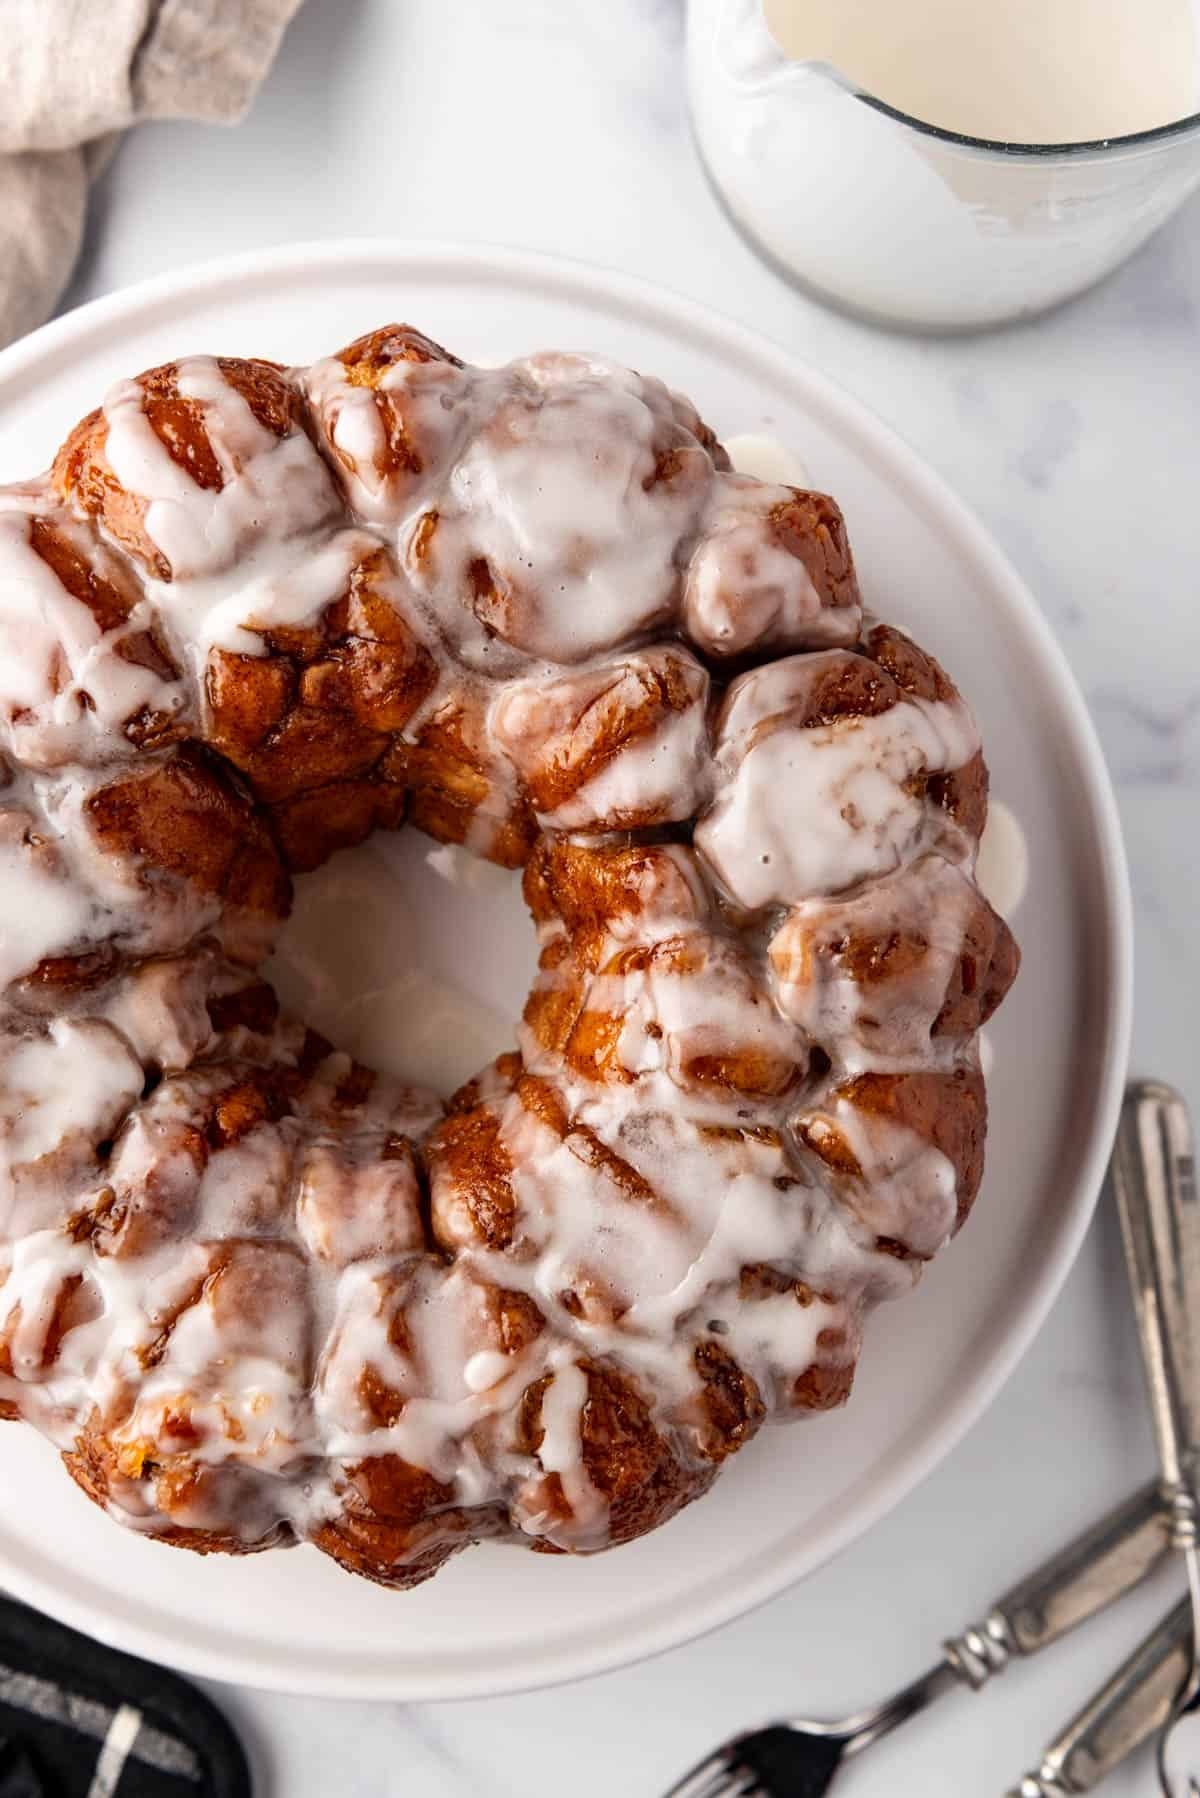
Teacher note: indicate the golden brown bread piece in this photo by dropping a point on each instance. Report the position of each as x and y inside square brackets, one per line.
[398, 1525]
[84, 476]
[458, 788]
[626, 1461]
[774, 568]
[586, 885]
[811, 527]
[402, 451]
[471, 1174]
[183, 818]
[918, 1111]
[912, 959]
[609, 1008]
[563, 734]
[178, 1487]
[89, 570]
[825, 1380]
[311, 722]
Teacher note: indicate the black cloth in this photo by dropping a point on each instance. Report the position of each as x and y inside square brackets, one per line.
[78, 1720]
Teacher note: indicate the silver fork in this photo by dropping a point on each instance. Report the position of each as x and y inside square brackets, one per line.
[798, 1758]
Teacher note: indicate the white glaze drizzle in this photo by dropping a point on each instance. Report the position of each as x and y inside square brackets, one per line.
[767, 459]
[1002, 869]
[808, 809]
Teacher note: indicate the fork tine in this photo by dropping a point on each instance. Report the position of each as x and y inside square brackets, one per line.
[699, 1782]
[716, 1777]
[745, 1784]
[735, 1782]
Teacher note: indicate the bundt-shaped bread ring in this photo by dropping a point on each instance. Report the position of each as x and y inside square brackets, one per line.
[257, 1294]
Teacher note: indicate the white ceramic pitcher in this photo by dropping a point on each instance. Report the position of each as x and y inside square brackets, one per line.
[898, 220]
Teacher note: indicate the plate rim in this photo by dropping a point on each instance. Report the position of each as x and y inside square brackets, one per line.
[919, 483]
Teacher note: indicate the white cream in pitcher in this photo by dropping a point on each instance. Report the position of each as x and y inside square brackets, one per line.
[1025, 71]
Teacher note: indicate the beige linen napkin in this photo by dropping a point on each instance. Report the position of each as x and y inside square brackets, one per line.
[76, 73]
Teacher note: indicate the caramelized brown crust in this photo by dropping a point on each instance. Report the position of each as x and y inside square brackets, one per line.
[398, 1524]
[948, 1110]
[626, 1460]
[369, 357]
[313, 722]
[83, 475]
[923, 956]
[467, 1158]
[457, 788]
[810, 527]
[944, 1111]
[563, 734]
[732, 1405]
[87, 568]
[587, 885]
[184, 818]
[404, 449]
[94, 1466]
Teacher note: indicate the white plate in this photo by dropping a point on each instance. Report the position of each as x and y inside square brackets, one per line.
[498, 1620]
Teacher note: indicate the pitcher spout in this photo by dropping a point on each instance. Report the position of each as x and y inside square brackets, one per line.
[746, 55]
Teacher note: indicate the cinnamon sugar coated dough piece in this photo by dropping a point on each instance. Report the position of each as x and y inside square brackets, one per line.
[258, 1294]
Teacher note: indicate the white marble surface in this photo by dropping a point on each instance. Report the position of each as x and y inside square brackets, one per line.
[560, 126]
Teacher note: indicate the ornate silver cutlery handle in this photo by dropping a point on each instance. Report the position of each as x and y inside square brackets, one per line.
[1154, 1181]
[1135, 1703]
[1083, 1578]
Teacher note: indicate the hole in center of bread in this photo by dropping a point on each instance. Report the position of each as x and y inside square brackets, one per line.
[412, 955]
